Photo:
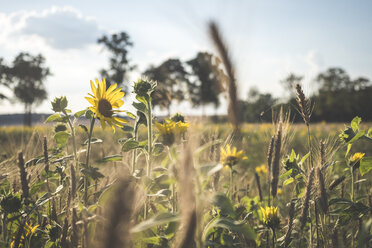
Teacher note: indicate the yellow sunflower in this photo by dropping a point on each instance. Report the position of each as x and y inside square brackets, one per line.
[231, 157]
[171, 131]
[104, 101]
[270, 216]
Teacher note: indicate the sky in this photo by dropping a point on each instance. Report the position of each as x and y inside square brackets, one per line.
[267, 39]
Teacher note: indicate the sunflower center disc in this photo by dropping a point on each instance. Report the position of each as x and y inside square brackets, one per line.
[105, 108]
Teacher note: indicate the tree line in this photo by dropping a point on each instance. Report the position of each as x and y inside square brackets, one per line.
[200, 81]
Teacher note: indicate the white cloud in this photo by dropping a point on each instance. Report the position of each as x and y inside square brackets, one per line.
[58, 27]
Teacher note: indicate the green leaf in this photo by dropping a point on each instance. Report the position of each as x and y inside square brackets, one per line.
[161, 193]
[357, 136]
[89, 114]
[340, 201]
[111, 158]
[304, 158]
[234, 226]
[157, 220]
[92, 172]
[127, 129]
[158, 149]
[288, 181]
[353, 212]
[355, 123]
[61, 138]
[93, 141]
[369, 134]
[224, 204]
[36, 187]
[129, 144]
[80, 113]
[365, 165]
[84, 128]
[53, 118]
[286, 174]
[140, 107]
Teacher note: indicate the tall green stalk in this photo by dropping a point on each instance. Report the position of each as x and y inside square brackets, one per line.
[134, 152]
[73, 136]
[149, 136]
[87, 160]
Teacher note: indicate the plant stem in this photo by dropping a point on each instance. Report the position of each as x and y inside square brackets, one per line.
[5, 227]
[134, 153]
[87, 161]
[312, 166]
[149, 137]
[274, 237]
[73, 136]
[352, 199]
[231, 184]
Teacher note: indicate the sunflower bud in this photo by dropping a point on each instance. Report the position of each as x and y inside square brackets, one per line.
[10, 203]
[60, 128]
[178, 117]
[59, 104]
[271, 217]
[143, 87]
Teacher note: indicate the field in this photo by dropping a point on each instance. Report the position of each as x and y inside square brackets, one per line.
[184, 184]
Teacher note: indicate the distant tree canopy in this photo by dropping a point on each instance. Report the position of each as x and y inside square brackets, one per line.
[199, 80]
[208, 80]
[172, 79]
[119, 63]
[338, 98]
[26, 77]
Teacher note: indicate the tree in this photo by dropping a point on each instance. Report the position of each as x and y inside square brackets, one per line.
[289, 83]
[27, 76]
[4, 81]
[209, 80]
[333, 79]
[172, 80]
[119, 65]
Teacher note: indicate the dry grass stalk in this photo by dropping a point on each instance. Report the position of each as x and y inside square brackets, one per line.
[304, 105]
[118, 216]
[322, 154]
[74, 229]
[186, 235]
[64, 233]
[23, 176]
[257, 177]
[53, 213]
[223, 52]
[46, 158]
[322, 194]
[336, 182]
[276, 161]
[306, 201]
[287, 237]
[73, 181]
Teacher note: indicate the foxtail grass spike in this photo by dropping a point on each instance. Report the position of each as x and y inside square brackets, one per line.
[23, 176]
[257, 177]
[306, 201]
[276, 161]
[304, 104]
[322, 194]
[116, 233]
[46, 158]
[73, 181]
[234, 113]
[64, 233]
[74, 229]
